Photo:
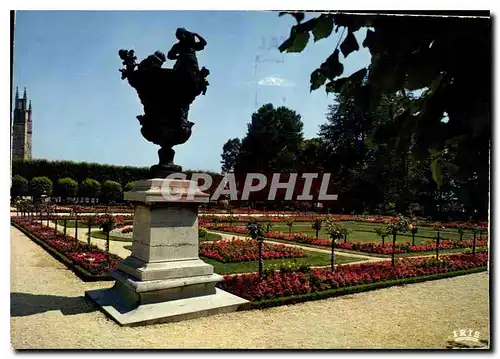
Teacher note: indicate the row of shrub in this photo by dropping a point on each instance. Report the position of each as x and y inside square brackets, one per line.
[68, 188]
[79, 171]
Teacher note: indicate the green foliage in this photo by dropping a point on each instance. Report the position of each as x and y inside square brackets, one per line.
[112, 190]
[398, 225]
[334, 229]
[289, 223]
[41, 186]
[255, 230]
[382, 231]
[202, 233]
[80, 171]
[108, 224]
[410, 53]
[316, 225]
[67, 187]
[129, 186]
[230, 152]
[272, 141]
[90, 188]
[269, 225]
[19, 187]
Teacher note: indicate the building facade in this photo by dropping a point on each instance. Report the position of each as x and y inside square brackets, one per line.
[22, 128]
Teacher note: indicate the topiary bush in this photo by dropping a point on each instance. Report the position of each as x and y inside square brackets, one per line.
[41, 186]
[67, 187]
[112, 191]
[19, 187]
[90, 188]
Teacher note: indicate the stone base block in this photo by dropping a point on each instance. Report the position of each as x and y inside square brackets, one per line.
[137, 292]
[113, 304]
[164, 270]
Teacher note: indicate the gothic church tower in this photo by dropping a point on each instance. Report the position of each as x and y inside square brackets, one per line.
[22, 128]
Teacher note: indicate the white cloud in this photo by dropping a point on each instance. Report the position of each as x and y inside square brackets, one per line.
[274, 81]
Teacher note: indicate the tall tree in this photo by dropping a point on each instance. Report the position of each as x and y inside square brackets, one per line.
[230, 152]
[272, 141]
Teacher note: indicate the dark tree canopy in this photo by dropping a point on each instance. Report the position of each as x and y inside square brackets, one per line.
[19, 186]
[230, 152]
[449, 58]
[67, 187]
[272, 141]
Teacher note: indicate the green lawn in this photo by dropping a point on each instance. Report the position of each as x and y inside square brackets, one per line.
[71, 224]
[365, 232]
[409, 254]
[100, 234]
[312, 259]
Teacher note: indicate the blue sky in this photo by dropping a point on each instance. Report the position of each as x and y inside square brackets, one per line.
[82, 111]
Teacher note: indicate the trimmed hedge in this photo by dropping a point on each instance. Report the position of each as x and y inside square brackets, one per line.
[79, 171]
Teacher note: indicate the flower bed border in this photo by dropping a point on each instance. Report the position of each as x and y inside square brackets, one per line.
[81, 273]
[337, 292]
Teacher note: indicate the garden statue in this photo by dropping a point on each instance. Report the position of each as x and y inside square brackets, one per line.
[166, 95]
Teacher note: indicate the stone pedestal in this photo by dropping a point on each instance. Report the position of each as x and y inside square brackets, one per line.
[163, 279]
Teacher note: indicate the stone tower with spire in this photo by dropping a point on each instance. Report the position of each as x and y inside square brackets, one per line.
[22, 129]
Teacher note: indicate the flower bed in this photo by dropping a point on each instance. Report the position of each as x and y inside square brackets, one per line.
[278, 284]
[376, 248]
[238, 250]
[89, 257]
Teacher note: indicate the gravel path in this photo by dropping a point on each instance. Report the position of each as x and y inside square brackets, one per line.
[49, 311]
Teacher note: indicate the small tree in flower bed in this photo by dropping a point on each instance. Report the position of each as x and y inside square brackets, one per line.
[283, 284]
[438, 227]
[414, 229]
[289, 224]
[91, 221]
[255, 230]
[268, 225]
[317, 226]
[399, 225]
[107, 225]
[335, 231]
[75, 210]
[382, 233]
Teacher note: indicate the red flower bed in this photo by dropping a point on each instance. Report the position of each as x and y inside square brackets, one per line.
[237, 250]
[377, 248]
[89, 257]
[282, 284]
